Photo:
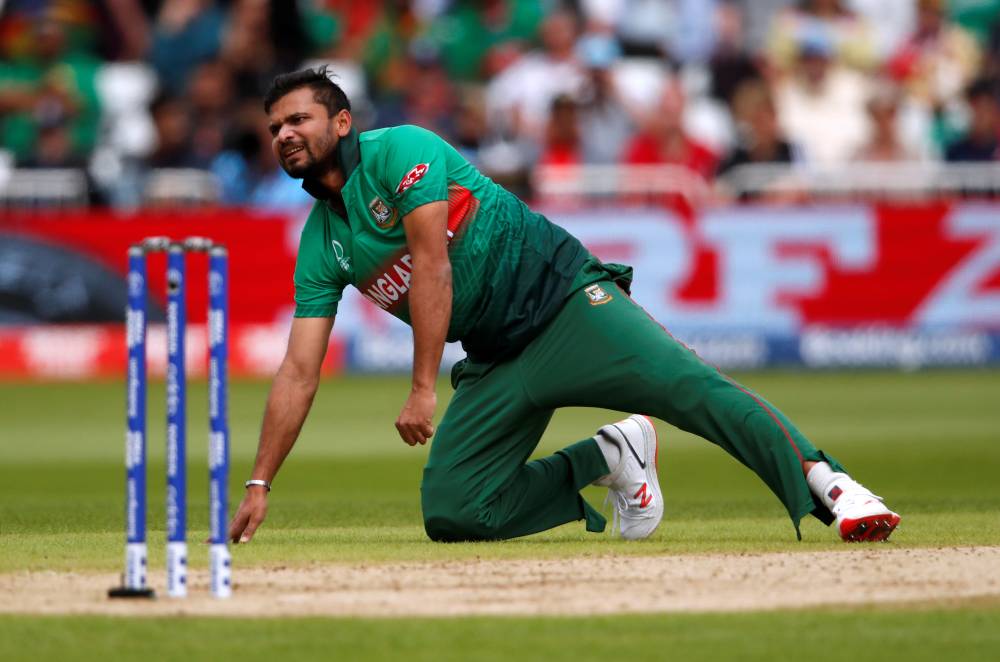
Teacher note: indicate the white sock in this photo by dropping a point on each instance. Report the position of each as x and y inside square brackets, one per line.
[828, 484]
[612, 452]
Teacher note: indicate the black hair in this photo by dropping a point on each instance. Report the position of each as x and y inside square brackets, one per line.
[979, 88]
[325, 91]
[163, 100]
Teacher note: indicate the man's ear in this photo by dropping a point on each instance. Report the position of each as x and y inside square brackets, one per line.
[342, 122]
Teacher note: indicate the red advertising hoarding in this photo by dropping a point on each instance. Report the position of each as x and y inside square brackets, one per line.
[763, 274]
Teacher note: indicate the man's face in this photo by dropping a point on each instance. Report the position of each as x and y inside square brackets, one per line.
[814, 67]
[303, 135]
[984, 116]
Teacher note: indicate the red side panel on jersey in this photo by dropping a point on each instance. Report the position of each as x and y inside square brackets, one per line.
[462, 206]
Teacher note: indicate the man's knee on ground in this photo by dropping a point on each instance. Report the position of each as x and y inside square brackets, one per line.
[449, 520]
[453, 509]
[457, 526]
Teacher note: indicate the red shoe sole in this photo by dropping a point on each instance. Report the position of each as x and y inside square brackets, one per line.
[874, 528]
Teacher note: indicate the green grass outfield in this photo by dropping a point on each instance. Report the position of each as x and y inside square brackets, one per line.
[928, 441]
[968, 635]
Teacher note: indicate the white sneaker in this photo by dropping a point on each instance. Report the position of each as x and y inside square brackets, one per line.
[861, 515]
[633, 485]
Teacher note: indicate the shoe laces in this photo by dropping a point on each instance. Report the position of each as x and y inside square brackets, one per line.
[620, 503]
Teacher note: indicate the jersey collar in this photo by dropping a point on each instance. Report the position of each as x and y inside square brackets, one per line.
[347, 156]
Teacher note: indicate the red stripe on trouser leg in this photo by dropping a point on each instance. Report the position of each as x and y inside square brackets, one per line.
[770, 413]
[759, 403]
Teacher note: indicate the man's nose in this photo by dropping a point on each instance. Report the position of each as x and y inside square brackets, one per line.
[286, 134]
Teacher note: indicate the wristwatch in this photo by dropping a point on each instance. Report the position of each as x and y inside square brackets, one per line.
[258, 481]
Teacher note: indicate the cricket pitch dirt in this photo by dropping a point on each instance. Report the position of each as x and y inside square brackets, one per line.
[858, 575]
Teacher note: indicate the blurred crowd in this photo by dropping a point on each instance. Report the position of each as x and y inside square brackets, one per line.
[124, 88]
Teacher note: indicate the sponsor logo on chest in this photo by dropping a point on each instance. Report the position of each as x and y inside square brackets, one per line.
[384, 215]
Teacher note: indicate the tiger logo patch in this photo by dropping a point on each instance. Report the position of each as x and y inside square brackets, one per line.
[597, 295]
[384, 215]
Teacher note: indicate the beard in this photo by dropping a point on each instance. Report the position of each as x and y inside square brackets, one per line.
[315, 159]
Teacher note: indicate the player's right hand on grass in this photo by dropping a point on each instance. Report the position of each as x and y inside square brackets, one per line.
[250, 514]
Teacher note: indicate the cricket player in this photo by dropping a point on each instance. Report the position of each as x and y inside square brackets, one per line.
[402, 217]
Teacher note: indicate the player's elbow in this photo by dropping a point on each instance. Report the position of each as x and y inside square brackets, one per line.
[303, 374]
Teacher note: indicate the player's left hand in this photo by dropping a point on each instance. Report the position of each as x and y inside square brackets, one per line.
[414, 422]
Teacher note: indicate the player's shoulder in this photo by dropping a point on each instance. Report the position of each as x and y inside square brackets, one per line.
[401, 135]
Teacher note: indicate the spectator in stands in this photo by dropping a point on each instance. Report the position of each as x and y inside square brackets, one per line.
[851, 39]
[760, 137]
[978, 17]
[605, 123]
[262, 38]
[644, 26]
[681, 30]
[821, 106]
[991, 63]
[731, 63]
[54, 147]
[662, 139]
[562, 134]
[385, 48]
[520, 97]
[186, 33]
[210, 96]
[247, 170]
[478, 36]
[891, 23]
[426, 97]
[938, 60]
[470, 123]
[340, 29]
[48, 83]
[760, 142]
[980, 141]
[172, 119]
[884, 142]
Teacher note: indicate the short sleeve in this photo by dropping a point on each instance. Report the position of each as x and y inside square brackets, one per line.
[318, 283]
[415, 169]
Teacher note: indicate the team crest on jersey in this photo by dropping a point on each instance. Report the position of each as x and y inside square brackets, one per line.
[384, 215]
[597, 295]
[412, 177]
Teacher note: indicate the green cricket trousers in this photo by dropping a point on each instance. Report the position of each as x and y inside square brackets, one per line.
[601, 350]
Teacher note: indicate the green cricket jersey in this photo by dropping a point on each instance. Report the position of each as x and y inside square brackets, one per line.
[511, 267]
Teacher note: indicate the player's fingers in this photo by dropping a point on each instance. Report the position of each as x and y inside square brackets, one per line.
[237, 525]
[420, 433]
[405, 433]
[248, 532]
[239, 519]
[401, 431]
